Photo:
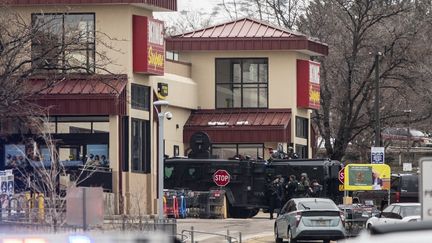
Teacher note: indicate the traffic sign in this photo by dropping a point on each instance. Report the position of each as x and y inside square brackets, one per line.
[221, 177]
[4, 187]
[10, 188]
[377, 155]
[342, 175]
[426, 188]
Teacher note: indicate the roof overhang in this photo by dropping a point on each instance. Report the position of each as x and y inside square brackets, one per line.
[96, 95]
[240, 125]
[302, 44]
[155, 5]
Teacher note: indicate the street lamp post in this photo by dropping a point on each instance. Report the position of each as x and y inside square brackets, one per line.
[161, 117]
[408, 112]
[377, 101]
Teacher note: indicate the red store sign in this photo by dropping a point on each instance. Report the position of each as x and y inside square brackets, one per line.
[308, 84]
[148, 46]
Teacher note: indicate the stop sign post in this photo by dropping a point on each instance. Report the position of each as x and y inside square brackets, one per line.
[221, 177]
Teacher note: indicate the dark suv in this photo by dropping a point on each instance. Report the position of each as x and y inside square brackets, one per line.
[404, 188]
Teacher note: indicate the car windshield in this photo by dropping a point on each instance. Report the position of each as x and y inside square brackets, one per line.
[410, 211]
[308, 205]
[417, 133]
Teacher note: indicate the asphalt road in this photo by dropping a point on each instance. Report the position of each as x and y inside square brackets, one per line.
[258, 229]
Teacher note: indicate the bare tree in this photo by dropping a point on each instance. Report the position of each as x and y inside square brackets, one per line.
[355, 31]
[284, 13]
[41, 172]
[188, 20]
[47, 48]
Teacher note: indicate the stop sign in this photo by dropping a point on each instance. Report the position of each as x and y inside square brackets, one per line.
[342, 175]
[221, 177]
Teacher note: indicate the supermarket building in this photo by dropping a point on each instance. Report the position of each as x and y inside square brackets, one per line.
[249, 85]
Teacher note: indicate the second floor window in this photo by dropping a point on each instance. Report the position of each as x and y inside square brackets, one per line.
[64, 43]
[242, 83]
[302, 130]
[140, 97]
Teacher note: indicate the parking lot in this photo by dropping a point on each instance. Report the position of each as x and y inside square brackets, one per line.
[258, 229]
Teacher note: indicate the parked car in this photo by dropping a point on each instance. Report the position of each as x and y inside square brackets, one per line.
[420, 232]
[396, 213]
[310, 219]
[400, 137]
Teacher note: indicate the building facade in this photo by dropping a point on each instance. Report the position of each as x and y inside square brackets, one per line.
[256, 87]
[103, 113]
[249, 85]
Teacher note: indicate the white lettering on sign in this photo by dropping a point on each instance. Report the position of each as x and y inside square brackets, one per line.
[155, 32]
[314, 73]
[221, 177]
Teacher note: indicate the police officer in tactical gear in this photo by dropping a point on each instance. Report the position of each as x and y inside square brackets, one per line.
[303, 189]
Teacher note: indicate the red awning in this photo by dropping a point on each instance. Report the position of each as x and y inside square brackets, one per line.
[240, 125]
[86, 95]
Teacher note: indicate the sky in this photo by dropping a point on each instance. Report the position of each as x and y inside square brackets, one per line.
[190, 5]
[196, 4]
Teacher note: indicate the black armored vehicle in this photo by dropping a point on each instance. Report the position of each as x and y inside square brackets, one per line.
[246, 192]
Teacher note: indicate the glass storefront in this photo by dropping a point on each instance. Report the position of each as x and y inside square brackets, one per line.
[77, 141]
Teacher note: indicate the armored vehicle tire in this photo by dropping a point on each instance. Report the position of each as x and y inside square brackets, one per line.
[242, 213]
[253, 212]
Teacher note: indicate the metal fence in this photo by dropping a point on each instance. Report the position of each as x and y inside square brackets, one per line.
[25, 212]
[189, 236]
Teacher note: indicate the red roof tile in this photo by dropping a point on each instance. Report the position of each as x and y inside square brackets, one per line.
[241, 28]
[91, 85]
[240, 125]
[244, 34]
[90, 95]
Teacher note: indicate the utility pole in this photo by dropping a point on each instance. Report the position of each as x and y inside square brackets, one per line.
[408, 112]
[161, 115]
[377, 102]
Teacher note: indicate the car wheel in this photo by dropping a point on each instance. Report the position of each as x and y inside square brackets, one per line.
[368, 227]
[290, 236]
[277, 239]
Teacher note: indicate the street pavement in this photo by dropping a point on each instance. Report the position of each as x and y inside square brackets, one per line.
[254, 230]
[258, 229]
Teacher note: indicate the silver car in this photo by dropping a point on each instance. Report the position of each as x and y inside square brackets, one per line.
[309, 219]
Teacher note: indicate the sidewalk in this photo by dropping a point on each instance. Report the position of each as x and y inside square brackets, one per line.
[262, 239]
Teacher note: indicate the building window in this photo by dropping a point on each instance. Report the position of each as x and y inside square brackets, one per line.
[302, 127]
[176, 151]
[140, 96]
[226, 151]
[78, 124]
[140, 146]
[242, 83]
[64, 43]
[302, 151]
[172, 55]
